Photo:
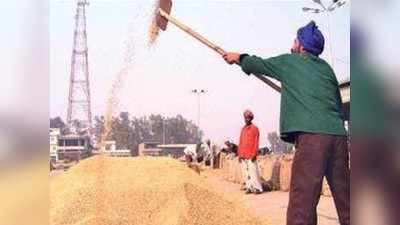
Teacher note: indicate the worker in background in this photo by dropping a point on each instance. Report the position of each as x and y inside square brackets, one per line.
[213, 157]
[209, 157]
[231, 148]
[197, 153]
[311, 118]
[248, 148]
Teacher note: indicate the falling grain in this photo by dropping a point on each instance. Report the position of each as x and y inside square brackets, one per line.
[154, 29]
[112, 105]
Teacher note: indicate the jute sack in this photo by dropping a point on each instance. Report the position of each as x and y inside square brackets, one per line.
[266, 167]
[285, 172]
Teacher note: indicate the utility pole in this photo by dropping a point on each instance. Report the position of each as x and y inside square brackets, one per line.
[198, 92]
[79, 108]
[163, 128]
[324, 9]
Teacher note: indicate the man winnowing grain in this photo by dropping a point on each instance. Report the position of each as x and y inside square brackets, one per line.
[311, 119]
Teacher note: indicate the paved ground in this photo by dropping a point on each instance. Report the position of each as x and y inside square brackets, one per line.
[272, 206]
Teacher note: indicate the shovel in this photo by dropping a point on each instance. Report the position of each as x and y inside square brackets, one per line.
[162, 18]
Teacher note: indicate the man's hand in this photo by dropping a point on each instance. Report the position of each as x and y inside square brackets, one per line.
[232, 57]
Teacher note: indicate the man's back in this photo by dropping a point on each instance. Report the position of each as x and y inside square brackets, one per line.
[311, 115]
[310, 99]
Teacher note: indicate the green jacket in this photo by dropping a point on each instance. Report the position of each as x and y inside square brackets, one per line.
[310, 98]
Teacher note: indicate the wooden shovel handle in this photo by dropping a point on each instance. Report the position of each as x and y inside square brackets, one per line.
[268, 82]
[192, 32]
[211, 45]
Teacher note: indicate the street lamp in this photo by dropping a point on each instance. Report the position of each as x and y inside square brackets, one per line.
[323, 9]
[320, 3]
[335, 4]
[198, 92]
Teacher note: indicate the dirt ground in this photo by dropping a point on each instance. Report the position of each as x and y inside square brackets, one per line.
[272, 206]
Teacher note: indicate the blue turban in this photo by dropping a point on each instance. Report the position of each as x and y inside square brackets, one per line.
[311, 38]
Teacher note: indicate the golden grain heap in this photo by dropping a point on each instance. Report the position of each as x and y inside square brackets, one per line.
[144, 191]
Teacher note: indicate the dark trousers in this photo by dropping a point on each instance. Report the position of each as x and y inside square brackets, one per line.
[375, 164]
[318, 155]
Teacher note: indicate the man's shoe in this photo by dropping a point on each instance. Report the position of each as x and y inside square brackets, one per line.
[248, 191]
[257, 192]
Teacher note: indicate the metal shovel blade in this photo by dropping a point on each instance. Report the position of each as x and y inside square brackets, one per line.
[166, 6]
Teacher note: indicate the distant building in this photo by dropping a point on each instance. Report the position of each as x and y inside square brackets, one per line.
[157, 149]
[173, 150]
[108, 146]
[110, 149]
[54, 134]
[149, 149]
[74, 147]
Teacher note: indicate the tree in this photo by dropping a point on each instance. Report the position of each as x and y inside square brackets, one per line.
[121, 130]
[130, 132]
[277, 145]
[98, 126]
[57, 122]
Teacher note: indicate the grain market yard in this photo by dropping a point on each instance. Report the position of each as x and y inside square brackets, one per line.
[271, 206]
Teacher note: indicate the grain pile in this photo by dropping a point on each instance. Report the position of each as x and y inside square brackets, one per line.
[153, 191]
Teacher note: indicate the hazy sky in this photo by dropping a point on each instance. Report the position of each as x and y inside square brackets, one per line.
[160, 78]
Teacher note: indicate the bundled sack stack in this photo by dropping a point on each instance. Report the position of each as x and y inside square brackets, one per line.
[275, 172]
